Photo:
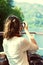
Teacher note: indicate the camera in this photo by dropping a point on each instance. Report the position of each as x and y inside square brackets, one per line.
[23, 24]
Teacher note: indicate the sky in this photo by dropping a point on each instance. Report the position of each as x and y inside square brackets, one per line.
[31, 1]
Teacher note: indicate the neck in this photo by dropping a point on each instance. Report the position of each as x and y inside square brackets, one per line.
[18, 35]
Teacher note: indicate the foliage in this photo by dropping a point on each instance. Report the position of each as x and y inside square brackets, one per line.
[6, 9]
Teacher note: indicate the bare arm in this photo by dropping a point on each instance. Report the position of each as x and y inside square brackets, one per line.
[31, 38]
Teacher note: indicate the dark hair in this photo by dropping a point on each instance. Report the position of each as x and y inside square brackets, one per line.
[11, 26]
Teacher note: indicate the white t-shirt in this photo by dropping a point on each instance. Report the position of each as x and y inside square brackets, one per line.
[15, 49]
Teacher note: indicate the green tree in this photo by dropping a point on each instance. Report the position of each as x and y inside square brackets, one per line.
[11, 3]
[6, 9]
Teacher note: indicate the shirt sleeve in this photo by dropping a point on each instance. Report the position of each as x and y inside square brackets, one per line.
[27, 45]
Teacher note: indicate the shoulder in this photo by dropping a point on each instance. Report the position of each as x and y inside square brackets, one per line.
[23, 40]
[4, 41]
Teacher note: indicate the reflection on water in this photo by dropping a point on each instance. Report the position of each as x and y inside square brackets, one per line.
[38, 38]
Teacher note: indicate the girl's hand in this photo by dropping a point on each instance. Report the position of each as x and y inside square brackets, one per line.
[25, 25]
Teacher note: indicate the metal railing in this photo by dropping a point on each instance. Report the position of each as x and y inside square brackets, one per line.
[39, 33]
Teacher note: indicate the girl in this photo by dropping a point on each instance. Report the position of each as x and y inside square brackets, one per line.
[14, 45]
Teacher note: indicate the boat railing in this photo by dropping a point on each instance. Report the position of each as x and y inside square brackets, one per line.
[38, 33]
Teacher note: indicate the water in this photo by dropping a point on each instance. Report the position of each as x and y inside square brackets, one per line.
[38, 38]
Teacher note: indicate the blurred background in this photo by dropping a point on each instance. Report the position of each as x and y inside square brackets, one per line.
[30, 11]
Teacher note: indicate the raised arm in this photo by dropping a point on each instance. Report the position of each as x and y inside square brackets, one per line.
[31, 38]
